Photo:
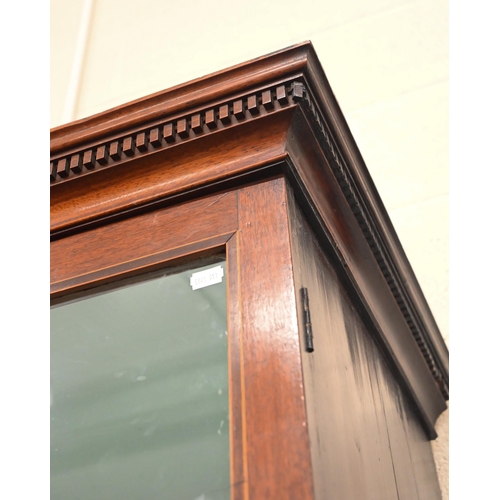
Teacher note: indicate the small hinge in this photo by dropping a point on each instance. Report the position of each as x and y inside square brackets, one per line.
[307, 320]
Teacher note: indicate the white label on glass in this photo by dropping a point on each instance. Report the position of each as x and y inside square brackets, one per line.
[207, 277]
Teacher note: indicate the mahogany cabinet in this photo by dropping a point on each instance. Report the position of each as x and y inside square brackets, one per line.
[336, 370]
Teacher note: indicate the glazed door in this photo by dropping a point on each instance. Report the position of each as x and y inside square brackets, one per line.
[150, 398]
[139, 390]
[140, 399]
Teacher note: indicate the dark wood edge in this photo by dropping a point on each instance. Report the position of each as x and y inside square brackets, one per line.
[325, 177]
[349, 167]
[401, 352]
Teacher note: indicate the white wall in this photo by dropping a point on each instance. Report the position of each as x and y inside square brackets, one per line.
[386, 60]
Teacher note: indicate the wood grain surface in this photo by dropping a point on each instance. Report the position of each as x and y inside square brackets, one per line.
[139, 244]
[170, 172]
[366, 438]
[358, 259]
[277, 443]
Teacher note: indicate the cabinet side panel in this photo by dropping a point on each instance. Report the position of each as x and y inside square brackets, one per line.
[366, 442]
[412, 463]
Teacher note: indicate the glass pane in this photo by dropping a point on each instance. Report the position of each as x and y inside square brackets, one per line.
[139, 392]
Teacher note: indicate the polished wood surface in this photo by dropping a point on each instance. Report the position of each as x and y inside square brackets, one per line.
[169, 172]
[140, 243]
[277, 444]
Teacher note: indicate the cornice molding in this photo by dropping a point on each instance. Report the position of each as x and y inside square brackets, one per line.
[247, 94]
[372, 235]
[272, 68]
[157, 136]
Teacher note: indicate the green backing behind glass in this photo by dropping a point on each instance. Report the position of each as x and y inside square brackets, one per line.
[139, 393]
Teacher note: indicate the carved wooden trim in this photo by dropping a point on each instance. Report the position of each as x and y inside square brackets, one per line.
[171, 132]
[367, 225]
[234, 103]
